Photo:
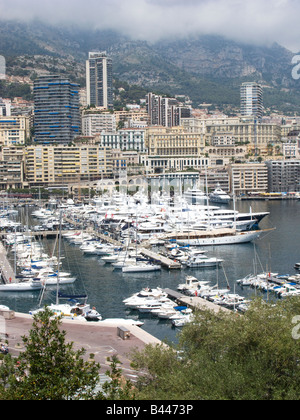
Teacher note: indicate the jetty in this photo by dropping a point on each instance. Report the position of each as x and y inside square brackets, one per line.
[195, 302]
[161, 259]
[7, 273]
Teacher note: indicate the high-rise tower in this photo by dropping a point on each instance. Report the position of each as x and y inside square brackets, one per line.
[252, 100]
[56, 110]
[99, 80]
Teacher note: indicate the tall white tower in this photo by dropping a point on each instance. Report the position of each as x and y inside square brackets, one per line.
[252, 100]
[99, 83]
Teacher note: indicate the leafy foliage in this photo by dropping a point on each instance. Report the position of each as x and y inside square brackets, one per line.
[50, 369]
[12, 90]
[227, 357]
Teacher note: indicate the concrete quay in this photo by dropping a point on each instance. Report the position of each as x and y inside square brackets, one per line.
[195, 302]
[7, 273]
[98, 338]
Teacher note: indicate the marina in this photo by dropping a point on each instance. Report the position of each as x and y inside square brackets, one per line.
[107, 287]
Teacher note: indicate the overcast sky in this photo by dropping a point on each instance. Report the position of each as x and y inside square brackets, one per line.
[255, 21]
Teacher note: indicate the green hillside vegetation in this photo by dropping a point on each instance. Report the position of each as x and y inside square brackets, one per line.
[12, 90]
[208, 69]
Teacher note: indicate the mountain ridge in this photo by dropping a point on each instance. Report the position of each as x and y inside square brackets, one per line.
[207, 68]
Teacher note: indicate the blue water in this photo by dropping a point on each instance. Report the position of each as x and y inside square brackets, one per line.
[276, 251]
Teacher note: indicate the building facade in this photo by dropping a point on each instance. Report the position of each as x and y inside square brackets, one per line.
[56, 110]
[99, 80]
[14, 130]
[95, 123]
[63, 165]
[173, 149]
[252, 100]
[165, 112]
[248, 178]
[284, 175]
[126, 140]
[5, 107]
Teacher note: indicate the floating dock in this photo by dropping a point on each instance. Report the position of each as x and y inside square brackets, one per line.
[161, 259]
[195, 302]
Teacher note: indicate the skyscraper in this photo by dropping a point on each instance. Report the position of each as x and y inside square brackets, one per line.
[56, 110]
[252, 100]
[99, 80]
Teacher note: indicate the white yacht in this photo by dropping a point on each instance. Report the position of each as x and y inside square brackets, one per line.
[218, 237]
[25, 286]
[77, 311]
[219, 196]
[191, 283]
[202, 261]
[195, 196]
[140, 267]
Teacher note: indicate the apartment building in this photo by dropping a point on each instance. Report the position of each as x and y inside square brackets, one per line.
[132, 117]
[244, 132]
[126, 140]
[5, 107]
[11, 174]
[252, 100]
[215, 176]
[165, 111]
[14, 130]
[62, 165]
[56, 110]
[248, 178]
[96, 123]
[284, 175]
[99, 80]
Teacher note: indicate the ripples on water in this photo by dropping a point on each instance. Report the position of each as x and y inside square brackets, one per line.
[278, 251]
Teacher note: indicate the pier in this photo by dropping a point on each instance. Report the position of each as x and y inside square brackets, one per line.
[195, 302]
[158, 258]
[7, 273]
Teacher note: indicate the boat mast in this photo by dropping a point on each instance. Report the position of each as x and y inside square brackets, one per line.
[58, 262]
[207, 199]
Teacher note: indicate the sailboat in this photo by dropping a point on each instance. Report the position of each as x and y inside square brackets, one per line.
[75, 309]
[138, 266]
[22, 286]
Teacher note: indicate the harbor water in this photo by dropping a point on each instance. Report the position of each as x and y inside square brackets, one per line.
[276, 251]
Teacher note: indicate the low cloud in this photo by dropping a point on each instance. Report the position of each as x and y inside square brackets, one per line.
[255, 21]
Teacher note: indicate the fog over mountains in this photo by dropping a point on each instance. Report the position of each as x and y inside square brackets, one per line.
[208, 68]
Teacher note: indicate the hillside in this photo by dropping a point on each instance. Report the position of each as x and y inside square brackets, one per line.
[209, 69]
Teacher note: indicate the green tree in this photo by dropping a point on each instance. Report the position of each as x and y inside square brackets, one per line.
[227, 357]
[49, 368]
